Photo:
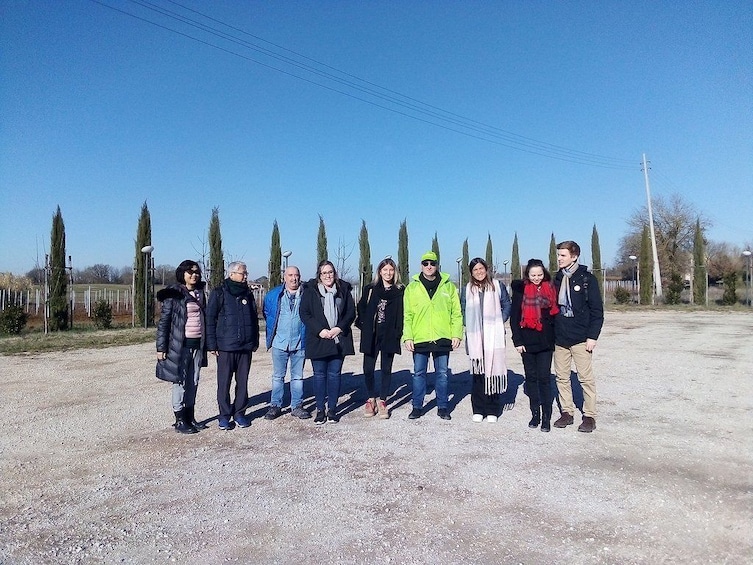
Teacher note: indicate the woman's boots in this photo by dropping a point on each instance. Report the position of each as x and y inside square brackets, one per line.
[536, 413]
[546, 418]
[183, 423]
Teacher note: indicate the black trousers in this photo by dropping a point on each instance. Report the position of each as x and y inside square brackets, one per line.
[539, 381]
[482, 403]
[231, 363]
[369, 364]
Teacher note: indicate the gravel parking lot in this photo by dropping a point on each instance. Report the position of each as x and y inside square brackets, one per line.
[92, 471]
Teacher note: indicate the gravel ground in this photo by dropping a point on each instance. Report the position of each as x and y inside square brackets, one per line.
[92, 472]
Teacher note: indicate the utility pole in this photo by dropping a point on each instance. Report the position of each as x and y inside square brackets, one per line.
[657, 271]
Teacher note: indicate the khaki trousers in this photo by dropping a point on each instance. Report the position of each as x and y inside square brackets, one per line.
[564, 357]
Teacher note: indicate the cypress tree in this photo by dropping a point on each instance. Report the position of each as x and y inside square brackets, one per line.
[699, 265]
[216, 258]
[58, 275]
[596, 267]
[553, 256]
[515, 271]
[321, 242]
[143, 238]
[365, 268]
[275, 258]
[489, 253]
[645, 264]
[402, 252]
[464, 274]
[435, 249]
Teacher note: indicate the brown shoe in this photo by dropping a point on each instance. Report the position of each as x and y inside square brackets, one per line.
[369, 409]
[382, 407]
[564, 421]
[588, 425]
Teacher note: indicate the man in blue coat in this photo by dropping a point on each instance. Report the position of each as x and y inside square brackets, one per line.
[232, 337]
[286, 336]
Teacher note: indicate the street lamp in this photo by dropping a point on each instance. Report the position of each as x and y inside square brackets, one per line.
[147, 251]
[286, 255]
[749, 272]
[460, 278]
[634, 259]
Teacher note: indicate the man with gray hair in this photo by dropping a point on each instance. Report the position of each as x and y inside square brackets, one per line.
[232, 337]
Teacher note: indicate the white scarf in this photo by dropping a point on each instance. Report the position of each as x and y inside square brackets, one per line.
[485, 337]
[563, 299]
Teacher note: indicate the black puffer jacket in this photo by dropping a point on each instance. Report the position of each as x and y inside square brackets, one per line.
[312, 315]
[232, 321]
[171, 328]
[534, 341]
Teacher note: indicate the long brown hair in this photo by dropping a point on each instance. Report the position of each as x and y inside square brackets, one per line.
[378, 275]
[487, 282]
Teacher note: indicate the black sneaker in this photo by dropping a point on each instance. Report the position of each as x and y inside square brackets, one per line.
[321, 418]
[444, 414]
[300, 413]
[415, 414]
[332, 417]
[273, 412]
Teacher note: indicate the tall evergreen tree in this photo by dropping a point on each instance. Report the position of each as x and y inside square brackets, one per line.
[321, 242]
[596, 267]
[365, 268]
[515, 271]
[58, 275]
[143, 239]
[402, 252]
[275, 258]
[489, 253]
[699, 265]
[435, 249]
[553, 255]
[645, 265]
[464, 274]
[216, 257]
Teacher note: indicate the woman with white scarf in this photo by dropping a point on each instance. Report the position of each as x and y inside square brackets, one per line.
[486, 307]
[328, 311]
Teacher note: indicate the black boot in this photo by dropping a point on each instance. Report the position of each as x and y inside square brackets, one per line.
[546, 419]
[536, 413]
[192, 418]
[182, 424]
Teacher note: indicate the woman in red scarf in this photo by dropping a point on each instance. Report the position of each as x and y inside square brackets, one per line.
[534, 305]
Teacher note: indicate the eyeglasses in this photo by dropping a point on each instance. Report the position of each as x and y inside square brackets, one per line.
[429, 262]
[327, 273]
[241, 273]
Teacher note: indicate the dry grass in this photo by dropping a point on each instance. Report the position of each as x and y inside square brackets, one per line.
[38, 342]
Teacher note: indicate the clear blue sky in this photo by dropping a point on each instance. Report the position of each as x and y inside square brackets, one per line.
[101, 111]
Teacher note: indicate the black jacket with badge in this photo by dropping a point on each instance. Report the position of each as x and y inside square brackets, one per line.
[588, 309]
[392, 327]
[312, 315]
[171, 330]
[232, 318]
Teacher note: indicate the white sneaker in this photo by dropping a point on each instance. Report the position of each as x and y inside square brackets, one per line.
[491, 419]
[477, 418]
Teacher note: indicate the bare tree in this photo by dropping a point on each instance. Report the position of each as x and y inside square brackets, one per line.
[343, 253]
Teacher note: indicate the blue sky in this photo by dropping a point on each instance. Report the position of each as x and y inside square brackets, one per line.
[514, 109]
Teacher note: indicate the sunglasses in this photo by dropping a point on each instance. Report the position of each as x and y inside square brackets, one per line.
[194, 272]
[429, 262]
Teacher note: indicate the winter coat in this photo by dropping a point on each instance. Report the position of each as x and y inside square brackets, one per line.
[391, 328]
[272, 310]
[232, 321]
[431, 319]
[534, 341]
[171, 329]
[312, 315]
[587, 307]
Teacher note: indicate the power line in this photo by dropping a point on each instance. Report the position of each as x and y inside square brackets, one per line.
[380, 97]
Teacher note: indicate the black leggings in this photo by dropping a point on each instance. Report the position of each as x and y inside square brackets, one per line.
[538, 385]
[369, 364]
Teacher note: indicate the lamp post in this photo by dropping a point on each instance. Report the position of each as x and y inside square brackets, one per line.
[147, 251]
[748, 273]
[286, 256]
[634, 259]
[460, 278]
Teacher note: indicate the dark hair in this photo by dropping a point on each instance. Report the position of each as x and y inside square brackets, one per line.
[536, 263]
[319, 269]
[571, 246]
[378, 275]
[486, 282]
[186, 265]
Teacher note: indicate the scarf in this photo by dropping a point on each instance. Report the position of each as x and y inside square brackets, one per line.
[328, 303]
[566, 305]
[485, 336]
[536, 298]
[236, 288]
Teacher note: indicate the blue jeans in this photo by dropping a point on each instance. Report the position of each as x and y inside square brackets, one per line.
[184, 394]
[280, 361]
[327, 374]
[420, 363]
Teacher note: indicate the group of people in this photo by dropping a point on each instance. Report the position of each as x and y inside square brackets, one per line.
[550, 320]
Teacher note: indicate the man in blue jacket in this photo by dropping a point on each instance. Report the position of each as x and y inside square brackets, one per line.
[232, 337]
[286, 336]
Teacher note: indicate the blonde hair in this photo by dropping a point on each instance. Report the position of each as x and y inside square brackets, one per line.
[378, 275]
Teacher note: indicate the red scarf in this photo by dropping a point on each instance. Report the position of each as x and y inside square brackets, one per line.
[534, 299]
